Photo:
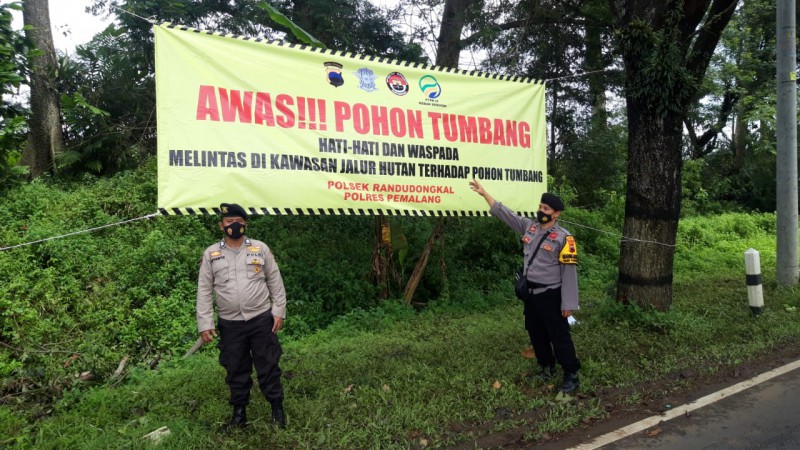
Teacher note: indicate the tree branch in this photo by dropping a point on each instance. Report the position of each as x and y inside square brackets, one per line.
[708, 35]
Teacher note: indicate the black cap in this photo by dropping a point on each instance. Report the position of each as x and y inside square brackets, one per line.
[552, 201]
[232, 210]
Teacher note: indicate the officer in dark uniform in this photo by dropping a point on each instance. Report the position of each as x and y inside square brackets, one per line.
[241, 274]
[552, 284]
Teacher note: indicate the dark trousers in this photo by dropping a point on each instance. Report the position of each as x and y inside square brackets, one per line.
[549, 331]
[244, 343]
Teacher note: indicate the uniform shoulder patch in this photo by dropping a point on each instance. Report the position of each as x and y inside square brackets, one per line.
[569, 254]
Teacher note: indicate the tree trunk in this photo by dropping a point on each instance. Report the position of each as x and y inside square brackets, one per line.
[447, 53]
[379, 273]
[597, 87]
[45, 138]
[652, 208]
[449, 42]
[657, 103]
[739, 142]
[422, 263]
[551, 150]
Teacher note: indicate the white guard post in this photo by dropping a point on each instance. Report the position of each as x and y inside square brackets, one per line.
[755, 295]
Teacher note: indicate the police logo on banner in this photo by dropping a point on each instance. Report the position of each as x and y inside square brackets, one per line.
[366, 79]
[397, 83]
[333, 73]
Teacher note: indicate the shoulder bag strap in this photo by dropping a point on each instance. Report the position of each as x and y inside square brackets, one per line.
[535, 251]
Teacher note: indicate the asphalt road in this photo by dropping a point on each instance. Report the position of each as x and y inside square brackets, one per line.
[764, 416]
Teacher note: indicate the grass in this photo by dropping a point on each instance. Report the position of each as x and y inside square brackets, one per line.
[396, 378]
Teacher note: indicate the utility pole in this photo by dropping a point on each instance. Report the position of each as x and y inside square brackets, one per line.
[787, 245]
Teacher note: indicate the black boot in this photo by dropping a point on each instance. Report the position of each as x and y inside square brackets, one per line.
[546, 374]
[278, 417]
[571, 382]
[238, 419]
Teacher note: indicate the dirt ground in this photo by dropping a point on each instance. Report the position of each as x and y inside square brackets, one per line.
[673, 390]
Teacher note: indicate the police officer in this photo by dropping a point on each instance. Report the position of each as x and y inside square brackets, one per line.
[552, 284]
[251, 306]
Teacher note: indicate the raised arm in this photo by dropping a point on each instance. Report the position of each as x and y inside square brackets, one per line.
[476, 186]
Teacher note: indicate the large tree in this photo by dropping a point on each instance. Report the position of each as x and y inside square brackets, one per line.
[45, 138]
[666, 47]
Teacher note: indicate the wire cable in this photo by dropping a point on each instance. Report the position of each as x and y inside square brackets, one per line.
[149, 216]
[153, 21]
[623, 237]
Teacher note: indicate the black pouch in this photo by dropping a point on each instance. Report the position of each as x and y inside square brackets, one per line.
[521, 284]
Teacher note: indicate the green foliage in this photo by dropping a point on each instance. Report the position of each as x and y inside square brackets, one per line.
[296, 31]
[107, 116]
[593, 163]
[739, 169]
[13, 427]
[360, 373]
[717, 244]
[83, 118]
[615, 313]
[752, 187]
[391, 377]
[656, 54]
[130, 289]
[13, 116]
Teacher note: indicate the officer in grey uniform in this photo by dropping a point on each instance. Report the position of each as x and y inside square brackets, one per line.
[552, 284]
[243, 277]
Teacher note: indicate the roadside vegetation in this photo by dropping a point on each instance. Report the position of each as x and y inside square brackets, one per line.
[359, 372]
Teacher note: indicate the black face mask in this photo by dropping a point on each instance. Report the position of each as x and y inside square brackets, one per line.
[235, 230]
[543, 218]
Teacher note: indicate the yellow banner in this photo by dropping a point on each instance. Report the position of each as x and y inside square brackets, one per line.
[285, 129]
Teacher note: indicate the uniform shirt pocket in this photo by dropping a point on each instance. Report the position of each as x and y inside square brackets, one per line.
[221, 273]
[255, 267]
[549, 251]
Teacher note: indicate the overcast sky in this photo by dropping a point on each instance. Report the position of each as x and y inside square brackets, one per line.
[71, 24]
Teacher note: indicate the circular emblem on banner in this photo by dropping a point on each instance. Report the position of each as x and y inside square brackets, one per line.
[430, 86]
[333, 73]
[397, 83]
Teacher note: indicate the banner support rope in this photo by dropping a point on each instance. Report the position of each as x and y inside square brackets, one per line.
[149, 216]
[623, 237]
[152, 21]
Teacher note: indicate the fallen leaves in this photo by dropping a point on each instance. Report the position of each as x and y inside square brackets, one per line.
[497, 384]
[653, 433]
[70, 360]
[528, 353]
[562, 397]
